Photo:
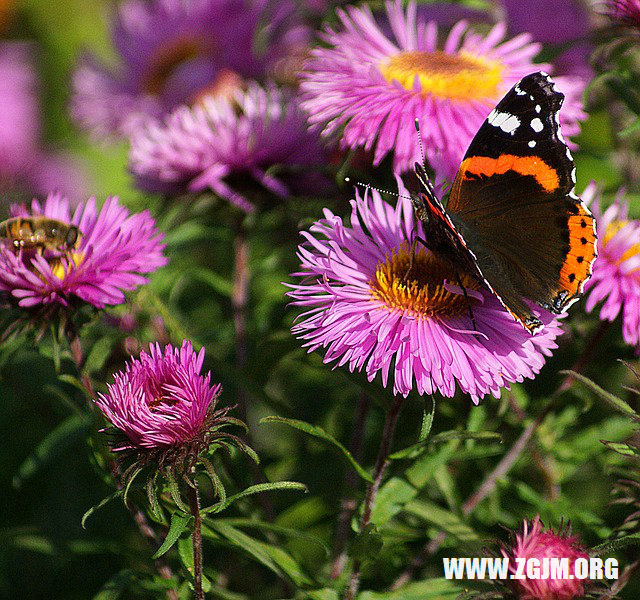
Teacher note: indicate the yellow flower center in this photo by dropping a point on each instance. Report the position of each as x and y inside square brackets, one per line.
[612, 229]
[57, 267]
[421, 290]
[224, 86]
[460, 76]
[168, 59]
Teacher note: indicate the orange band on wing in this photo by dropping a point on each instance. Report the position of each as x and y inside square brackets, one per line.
[545, 175]
[582, 251]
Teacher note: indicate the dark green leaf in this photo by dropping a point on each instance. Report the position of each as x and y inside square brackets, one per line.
[442, 518]
[98, 355]
[275, 559]
[320, 433]
[255, 489]
[367, 544]
[613, 401]
[98, 506]
[64, 435]
[179, 522]
[611, 546]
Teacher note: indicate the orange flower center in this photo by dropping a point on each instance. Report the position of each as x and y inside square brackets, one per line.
[420, 290]
[460, 76]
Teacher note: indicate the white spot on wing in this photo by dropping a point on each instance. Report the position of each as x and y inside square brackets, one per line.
[532, 144]
[505, 121]
[538, 108]
[536, 125]
[518, 90]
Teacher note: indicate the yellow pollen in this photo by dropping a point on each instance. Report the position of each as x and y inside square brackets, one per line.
[168, 59]
[612, 229]
[460, 76]
[422, 292]
[57, 267]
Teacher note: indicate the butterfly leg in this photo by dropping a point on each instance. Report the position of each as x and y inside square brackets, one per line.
[466, 297]
[412, 256]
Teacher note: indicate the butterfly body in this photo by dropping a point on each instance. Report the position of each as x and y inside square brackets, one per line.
[513, 221]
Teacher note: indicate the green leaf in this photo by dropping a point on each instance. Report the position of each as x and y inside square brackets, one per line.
[421, 447]
[323, 594]
[613, 401]
[442, 518]
[391, 498]
[115, 587]
[179, 522]
[74, 381]
[275, 559]
[454, 434]
[98, 355]
[216, 282]
[98, 506]
[427, 420]
[320, 433]
[254, 489]
[278, 529]
[612, 545]
[620, 448]
[430, 589]
[367, 544]
[63, 436]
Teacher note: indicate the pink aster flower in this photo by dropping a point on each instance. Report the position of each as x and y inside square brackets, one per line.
[161, 399]
[198, 148]
[369, 88]
[534, 543]
[625, 12]
[172, 50]
[616, 271]
[25, 165]
[367, 316]
[112, 251]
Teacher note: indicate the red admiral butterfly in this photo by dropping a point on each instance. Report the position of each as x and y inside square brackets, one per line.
[513, 220]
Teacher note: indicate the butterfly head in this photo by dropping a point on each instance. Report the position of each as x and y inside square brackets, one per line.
[420, 207]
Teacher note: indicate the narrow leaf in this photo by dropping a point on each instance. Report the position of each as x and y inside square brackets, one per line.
[320, 433]
[255, 489]
[98, 506]
[613, 401]
[63, 436]
[179, 522]
[417, 449]
[623, 542]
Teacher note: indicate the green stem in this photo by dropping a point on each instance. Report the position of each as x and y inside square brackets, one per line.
[382, 462]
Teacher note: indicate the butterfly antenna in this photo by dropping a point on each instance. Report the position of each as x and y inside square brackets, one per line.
[417, 124]
[366, 185]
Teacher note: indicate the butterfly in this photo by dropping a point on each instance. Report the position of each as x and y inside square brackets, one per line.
[513, 220]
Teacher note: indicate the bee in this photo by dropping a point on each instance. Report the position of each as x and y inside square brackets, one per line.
[40, 233]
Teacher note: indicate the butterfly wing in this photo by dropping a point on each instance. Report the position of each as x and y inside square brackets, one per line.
[513, 202]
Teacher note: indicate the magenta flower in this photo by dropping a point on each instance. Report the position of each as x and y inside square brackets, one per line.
[198, 148]
[361, 309]
[114, 249]
[25, 166]
[172, 50]
[161, 399]
[539, 544]
[625, 12]
[616, 271]
[369, 89]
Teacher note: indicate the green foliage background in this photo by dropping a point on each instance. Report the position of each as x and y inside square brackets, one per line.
[48, 479]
